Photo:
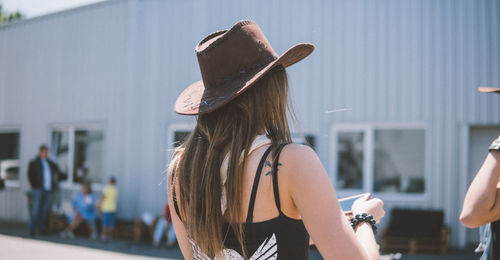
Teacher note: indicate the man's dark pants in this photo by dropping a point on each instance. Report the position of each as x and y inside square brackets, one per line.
[39, 209]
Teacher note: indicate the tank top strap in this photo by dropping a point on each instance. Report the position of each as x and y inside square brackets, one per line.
[174, 198]
[256, 185]
[276, 191]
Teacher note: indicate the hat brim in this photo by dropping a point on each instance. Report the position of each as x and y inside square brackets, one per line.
[196, 99]
[489, 90]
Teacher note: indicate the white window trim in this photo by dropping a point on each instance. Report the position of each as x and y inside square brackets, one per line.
[14, 129]
[68, 184]
[368, 176]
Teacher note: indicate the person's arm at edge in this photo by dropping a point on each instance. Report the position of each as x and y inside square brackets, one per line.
[180, 230]
[315, 198]
[482, 200]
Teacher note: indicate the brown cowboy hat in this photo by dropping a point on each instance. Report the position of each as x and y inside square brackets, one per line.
[489, 90]
[230, 62]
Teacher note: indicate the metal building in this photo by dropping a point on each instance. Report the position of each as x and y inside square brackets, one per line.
[389, 95]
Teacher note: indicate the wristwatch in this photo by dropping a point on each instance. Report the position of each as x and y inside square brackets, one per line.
[495, 145]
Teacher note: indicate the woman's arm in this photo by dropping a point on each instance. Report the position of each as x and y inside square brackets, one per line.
[482, 201]
[314, 196]
[179, 228]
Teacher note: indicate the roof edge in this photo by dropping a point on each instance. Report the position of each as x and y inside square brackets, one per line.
[13, 24]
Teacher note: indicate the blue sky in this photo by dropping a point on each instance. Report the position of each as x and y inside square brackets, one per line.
[32, 8]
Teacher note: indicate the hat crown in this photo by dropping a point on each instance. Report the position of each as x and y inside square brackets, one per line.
[230, 62]
[225, 56]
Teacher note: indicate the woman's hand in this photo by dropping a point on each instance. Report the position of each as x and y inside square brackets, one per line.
[374, 207]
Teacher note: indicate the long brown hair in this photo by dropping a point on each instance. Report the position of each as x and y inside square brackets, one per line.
[262, 109]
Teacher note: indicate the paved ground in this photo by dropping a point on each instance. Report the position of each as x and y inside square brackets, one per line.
[46, 245]
[19, 248]
[15, 244]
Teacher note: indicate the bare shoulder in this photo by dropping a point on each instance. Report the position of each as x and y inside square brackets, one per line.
[300, 160]
[169, 183]
[169, 174]
[172, 165]
[298, 154]
[303, 173]
[170, 171]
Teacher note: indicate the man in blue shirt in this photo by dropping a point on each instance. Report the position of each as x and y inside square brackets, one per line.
[43, 175]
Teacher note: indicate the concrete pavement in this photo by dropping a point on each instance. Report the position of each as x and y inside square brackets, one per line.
[18, 248]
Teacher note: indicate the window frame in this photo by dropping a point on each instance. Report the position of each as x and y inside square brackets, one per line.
[171, 129]
[71, 128]
[369, 158]
[14, 129]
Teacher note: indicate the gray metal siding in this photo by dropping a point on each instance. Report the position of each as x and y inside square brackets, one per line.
[125, 62]
[63, 68]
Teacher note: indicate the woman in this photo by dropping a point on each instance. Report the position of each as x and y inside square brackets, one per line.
[84, 205]
[481, 204]
[239, 188]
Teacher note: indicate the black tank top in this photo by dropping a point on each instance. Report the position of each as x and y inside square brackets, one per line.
[281, 237]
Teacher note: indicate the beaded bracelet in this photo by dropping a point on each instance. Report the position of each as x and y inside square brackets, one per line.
[358, 219]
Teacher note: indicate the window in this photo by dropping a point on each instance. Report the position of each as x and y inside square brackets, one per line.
[79, 153]
[399, 157]
[350, 160]
[176, 135]
[60, 150]
[9, 157]
[88, 154]
[180, 136]
[380, 158]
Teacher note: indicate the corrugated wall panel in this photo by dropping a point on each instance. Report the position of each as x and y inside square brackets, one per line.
[62, 68]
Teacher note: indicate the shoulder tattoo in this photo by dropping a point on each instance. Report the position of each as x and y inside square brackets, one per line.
[268, 164]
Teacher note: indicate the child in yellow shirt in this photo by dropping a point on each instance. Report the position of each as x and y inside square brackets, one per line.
[108, 209]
